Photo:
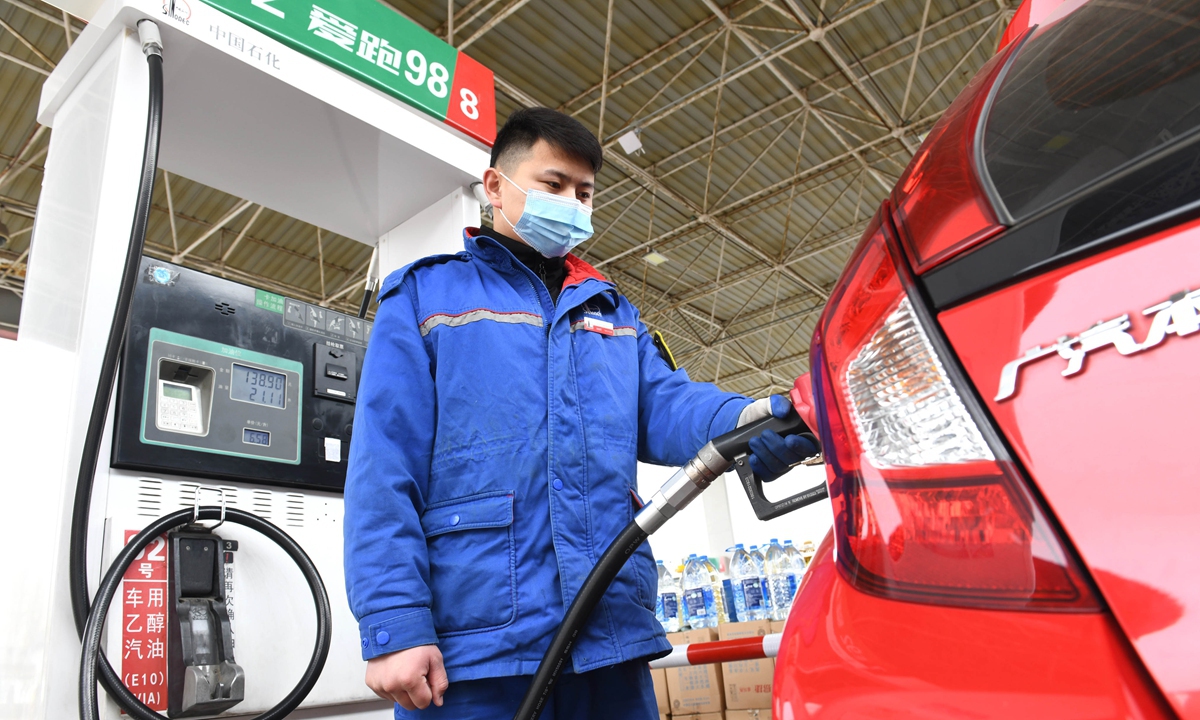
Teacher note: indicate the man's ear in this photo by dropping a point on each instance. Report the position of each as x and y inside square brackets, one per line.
[491, 186]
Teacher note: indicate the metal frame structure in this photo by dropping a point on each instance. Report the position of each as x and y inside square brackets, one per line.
[770, 132]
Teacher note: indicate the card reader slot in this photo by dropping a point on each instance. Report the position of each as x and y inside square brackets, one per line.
[183, 401]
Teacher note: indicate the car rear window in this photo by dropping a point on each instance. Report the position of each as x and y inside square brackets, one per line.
[1109, 84]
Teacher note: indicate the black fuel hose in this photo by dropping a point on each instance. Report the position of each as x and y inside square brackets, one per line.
[713, 459]
[77, 564]
[594, 587]
[80, 600]
[92, 657]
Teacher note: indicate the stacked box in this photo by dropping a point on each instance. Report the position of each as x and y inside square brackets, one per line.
[777, 626]
[660, 691]
[757, 714]
[695, 690]
[747, 682]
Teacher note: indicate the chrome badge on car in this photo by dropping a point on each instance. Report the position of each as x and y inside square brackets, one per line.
[1177, 315]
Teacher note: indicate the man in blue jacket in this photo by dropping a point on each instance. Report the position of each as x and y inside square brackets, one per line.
[508, 393]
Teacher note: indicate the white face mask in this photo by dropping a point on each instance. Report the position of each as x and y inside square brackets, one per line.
[551, 224]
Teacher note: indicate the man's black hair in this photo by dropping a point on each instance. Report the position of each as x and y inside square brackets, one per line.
[528, 125]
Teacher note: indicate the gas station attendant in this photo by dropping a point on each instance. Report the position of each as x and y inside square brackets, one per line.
[507, 395]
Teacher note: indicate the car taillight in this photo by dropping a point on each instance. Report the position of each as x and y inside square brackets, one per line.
[941, 207]
[928, 507]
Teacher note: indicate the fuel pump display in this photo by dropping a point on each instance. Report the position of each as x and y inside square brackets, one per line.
[247, 383]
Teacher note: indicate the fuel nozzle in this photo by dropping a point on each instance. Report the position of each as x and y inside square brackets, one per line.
[729, 450]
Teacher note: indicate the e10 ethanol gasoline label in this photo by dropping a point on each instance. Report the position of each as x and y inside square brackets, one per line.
[380, 47]
[144, 619]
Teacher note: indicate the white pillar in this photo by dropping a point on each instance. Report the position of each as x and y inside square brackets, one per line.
[79, 245]
[436, 230]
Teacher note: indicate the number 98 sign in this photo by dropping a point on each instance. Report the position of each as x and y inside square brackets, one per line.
[372, 43]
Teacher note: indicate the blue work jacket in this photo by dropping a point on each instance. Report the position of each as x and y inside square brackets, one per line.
[494, 459]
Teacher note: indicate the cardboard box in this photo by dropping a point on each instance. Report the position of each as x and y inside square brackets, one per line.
[747, 682]
[762, 714]
[706, 716]
[695, 690]
[660, 691]
[777, 626]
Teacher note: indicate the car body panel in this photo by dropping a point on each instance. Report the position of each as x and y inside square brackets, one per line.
[1112, 447]
[846, 654]
[1029, 14]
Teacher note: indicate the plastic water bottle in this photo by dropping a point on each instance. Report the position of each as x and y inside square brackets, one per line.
[760, 565]
[781, 578]
[727, 590]
[700, 611]
[796, 558]
[799, 562]
[718, 588]
[747, 588]
[666, 605]
[807, 551]
[739, 597]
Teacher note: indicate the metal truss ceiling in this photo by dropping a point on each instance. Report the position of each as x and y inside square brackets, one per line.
[771, 131]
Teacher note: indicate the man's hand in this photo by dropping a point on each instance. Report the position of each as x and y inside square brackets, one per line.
[772, 455]
[412, 678]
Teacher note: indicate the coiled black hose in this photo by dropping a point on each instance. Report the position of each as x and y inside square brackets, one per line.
[93, 657]
[598, 580]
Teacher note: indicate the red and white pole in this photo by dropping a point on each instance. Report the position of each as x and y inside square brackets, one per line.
[709, 653]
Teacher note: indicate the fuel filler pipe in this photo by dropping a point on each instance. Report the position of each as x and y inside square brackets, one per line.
[714, 459]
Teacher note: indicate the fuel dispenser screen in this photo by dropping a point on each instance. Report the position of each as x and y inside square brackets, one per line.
[258, 386]
[226, 381]
[177, 392]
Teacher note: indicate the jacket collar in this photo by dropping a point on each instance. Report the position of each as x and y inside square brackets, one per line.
[582, 283]
[477, 242]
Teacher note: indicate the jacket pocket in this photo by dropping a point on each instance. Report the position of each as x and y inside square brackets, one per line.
[472, 562]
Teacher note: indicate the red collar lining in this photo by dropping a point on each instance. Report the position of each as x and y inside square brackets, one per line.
[579, 270]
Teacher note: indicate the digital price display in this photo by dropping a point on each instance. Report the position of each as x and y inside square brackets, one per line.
[179, 392]
[261, 387]
[256, 437]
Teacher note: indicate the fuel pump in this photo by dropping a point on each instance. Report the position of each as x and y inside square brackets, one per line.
[204, 423]
[202, 677]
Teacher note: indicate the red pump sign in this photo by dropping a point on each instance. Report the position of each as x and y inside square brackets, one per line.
[144, 624]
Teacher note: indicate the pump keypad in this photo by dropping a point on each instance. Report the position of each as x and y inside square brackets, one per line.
[178, 409]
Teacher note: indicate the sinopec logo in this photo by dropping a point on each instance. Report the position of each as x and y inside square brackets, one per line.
[178, 10]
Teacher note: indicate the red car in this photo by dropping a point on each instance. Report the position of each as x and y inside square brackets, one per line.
[1007, 378]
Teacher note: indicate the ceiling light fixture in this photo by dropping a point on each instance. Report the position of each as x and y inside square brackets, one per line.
[655, 258]
[631, 142]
